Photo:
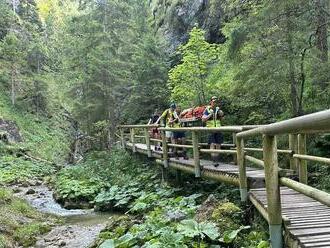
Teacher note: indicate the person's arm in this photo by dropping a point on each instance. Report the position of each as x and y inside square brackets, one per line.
[149, 122]
[206, 115]
[175, 117]
[161, 117]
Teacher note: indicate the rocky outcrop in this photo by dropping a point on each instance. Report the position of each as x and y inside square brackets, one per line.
[9, 131]
[175, 18]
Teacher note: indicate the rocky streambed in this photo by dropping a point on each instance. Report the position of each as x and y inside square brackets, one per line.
[78, 228]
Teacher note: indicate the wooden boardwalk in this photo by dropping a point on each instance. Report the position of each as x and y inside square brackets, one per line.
[306, 221]
[256, 177]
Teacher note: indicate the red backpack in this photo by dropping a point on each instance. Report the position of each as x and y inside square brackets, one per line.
[196, 112]
[187, 113]
[199, 111]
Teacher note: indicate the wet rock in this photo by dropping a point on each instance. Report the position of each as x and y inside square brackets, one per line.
[175, 215]
[16, 190]
[30, 191]
[61, 243]
[24, 184]
[10, 130]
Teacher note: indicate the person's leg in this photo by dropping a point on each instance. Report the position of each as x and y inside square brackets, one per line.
[183, 141]
[175, 141]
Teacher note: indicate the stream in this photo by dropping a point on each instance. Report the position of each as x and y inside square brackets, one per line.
[79, 228]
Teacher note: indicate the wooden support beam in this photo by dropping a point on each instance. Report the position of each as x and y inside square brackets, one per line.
[252, 149]
[180, 146]
[302, 164]
[273, 191]
[242, 169]
[256, 161]
[138, 126]
[196, 154]
[165, 149]
[312, 158]
[293, 145]
[218, 151]
[309, 191]
[147, 136]
[132, 131]
[204, 129]
[235, 145]
[123, 143]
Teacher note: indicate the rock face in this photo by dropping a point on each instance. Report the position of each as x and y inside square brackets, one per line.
[175, 18]
[9, 131]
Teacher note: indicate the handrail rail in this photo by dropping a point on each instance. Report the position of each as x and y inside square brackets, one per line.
[316, 122]
[204, 129]
[139, 126]
[297, 128]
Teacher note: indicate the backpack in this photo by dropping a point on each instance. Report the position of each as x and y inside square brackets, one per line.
[187, 113]
[199, 111]
[196, 113]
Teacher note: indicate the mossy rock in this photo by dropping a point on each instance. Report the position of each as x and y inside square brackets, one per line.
[227, 216]
[27, 234]
[116, 227]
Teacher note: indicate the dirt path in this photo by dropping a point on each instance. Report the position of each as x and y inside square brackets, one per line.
[80, 227]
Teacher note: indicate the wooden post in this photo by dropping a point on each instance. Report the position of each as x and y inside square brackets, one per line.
[132, 131]
[122, 135]
[273, 191]
[293, 143]
[196, 154]
[147, 135]
[165, 149]
[178, 177]
[242, 169]
[302, 164]
[235, 143]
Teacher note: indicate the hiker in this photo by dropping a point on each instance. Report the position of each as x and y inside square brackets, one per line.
[212, 117]
[179, 137]
[154, 132]
[169, 115]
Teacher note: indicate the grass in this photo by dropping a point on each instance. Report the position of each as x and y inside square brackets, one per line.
[45, 137]
[21, 222]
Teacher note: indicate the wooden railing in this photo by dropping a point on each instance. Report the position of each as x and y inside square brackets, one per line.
[298, 129]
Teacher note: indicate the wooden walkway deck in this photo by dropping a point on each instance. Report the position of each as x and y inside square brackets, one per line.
[306, 221]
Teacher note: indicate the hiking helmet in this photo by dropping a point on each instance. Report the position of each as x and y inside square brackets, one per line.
[173, 105]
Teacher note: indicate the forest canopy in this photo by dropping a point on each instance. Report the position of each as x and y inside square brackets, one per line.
[106, 62]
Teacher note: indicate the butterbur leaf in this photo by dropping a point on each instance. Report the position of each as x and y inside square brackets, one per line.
[209, 229]
[110, 243]
[189, 228]
[263, 244]
[230, 236]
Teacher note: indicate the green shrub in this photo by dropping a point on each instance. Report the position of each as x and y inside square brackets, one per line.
[27, 234]
[13, 169]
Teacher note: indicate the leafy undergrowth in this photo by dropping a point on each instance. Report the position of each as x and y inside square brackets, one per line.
[44, 136]
[15, 170]
[20, 224]
[156, 214]
[163, 219]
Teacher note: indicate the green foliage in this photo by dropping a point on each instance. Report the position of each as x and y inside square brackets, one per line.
[192, 229]
[27, 234]
[187, 80]
[78, 184]
[21, 221]
[14, 170]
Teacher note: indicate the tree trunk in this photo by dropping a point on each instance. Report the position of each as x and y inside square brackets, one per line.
[13, 86]
[322, 29]
[296, 109]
